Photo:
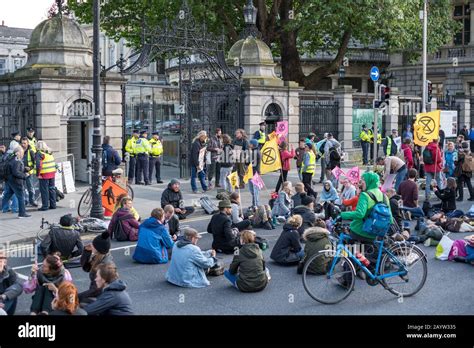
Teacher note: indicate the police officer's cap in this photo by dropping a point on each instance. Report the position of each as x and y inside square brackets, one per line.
[135, 131]
[14, 134]
[262, 123]
[155, 133]
[30, 129]
[143, 132]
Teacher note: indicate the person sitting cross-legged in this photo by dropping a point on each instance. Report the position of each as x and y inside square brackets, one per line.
[287, 249]
[247, 272]
[10, 287]
[225, 238]
[238, 220]
[172, 195]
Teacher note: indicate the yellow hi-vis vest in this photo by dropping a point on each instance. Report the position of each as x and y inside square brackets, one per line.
[312, 164]
[156, 147]
[142, 146]
[364, 136]
[130, 146]
[47, 164]
[32, 143]
[262, 139]
[29, 162]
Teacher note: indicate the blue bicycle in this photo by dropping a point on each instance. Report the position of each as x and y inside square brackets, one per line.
[329, 276]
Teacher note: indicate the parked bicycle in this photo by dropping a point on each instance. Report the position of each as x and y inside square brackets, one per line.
[401, 268]
[85, 203]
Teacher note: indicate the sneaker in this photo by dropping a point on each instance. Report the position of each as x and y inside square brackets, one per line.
[196, 192]
[281, 219]
[43, 209]
[427, 242]
[159, 182]
[361, 274]
[24, 216]
[471, 199]
[460, 199]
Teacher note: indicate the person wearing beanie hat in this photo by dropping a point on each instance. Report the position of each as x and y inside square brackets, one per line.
[64, 238]
[253, 142]
[225, 239]
[94, 255]
[172, 195]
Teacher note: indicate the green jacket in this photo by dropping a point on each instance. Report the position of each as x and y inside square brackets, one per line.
[249, 266]
[365, 204]
[317, 239]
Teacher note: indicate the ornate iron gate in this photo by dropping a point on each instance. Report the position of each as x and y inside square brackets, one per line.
[17, 112]
[318, 116]
[209, 90]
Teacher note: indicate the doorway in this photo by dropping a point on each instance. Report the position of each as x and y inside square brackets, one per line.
[273, 115]
[79, 140]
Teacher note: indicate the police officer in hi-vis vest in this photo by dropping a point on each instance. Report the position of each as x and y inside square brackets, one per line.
[130, 149]
[142, 151]
[364, 143]
[156, 155]
[30, 134]
[260, 135]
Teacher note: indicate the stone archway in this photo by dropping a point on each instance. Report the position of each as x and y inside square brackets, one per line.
[273, 114]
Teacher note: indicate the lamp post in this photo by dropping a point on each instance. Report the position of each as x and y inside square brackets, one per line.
[425, 44]
[97, 210]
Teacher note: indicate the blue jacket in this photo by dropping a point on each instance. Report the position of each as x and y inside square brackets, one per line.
[283, 205]
[188, 265]
[450, 157]
[153, 240]
[329, 196]
[110, 160]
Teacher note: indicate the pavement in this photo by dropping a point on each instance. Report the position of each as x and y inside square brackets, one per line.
[447, 289]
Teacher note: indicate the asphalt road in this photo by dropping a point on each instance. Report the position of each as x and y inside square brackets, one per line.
[448, 289]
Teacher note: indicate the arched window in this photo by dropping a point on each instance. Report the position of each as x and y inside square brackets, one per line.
[273, 114]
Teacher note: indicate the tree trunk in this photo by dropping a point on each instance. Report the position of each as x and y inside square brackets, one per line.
[290, 58]
[312, 80]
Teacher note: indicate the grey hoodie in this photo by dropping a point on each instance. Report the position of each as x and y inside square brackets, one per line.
[9, 284]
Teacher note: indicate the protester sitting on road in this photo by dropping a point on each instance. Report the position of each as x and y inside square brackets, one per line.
[10, 287]
[66, 301]
[296, 198]
[124, 217]
[328, 198]
[189, 264]
[351, 204]
[171, 221]
[238, 220]
[447, 196]
[64, 238]
[348, 190]
[118, 205]
[93, 256]
[461, 224]
[225, 239]
[153, 239]
[287, 249]
[43, 282]
[317, 239]
[408, 190]
[114, 298]
[247, 272]
[306, 211]
[394, 200]
[172, 195]
[262, 217]
[283, 204]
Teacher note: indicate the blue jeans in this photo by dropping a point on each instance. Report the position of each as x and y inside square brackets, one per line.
[231, 278]
[224, 182]
[401, 174]
[255, 192]
[202, 178]
[18, 191]
[300, 254]
[429, 177]
[48, 193]
[30, 189]
[415, 212]
[6, 205]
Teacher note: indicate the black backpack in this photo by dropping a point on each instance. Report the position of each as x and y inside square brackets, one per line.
[428, 156]
[118, 232]
[334, 155]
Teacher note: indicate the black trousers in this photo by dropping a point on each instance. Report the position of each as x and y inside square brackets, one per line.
[48, 193]
[132, 168]
[142, 169]
[189, 211]
[281, 179]
[242, 225]
[214, 169]
[461, 180]
[154, 164]
[307, 178]
[42, 300]
[365, 152]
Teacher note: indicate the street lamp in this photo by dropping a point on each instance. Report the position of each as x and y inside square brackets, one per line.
[97, 210]
[424, 13]
[250, 14]
[342, 72]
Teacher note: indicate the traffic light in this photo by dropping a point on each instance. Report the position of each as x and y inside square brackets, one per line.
[429, 87]
[384, 94]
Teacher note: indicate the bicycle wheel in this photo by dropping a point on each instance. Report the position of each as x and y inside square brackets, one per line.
[413, 260]
[329, 289]
[130, 192]
[92, 225]
[85, 204]
[42, 233]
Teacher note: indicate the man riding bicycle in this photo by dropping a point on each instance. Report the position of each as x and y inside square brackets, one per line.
[370, 185]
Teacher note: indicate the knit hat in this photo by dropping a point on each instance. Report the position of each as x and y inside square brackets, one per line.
[309, 145]
[305, 200]
[101, 243]
[254, 142]
[174, 181]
